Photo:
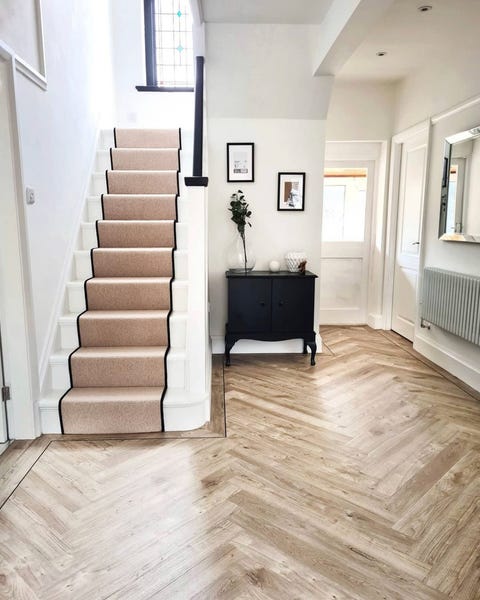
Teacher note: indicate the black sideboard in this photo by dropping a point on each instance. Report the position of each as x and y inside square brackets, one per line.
[270, 307]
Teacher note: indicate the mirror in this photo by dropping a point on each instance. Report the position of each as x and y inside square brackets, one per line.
[460, 203]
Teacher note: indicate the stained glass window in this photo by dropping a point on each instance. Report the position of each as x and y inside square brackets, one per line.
[173, 43]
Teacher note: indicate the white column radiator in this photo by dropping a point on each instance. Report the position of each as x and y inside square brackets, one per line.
[452, 302]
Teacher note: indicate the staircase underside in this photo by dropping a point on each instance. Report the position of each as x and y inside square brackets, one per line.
[118, 373]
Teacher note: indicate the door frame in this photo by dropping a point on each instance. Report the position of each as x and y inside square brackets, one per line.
[371, 166]
[376, 151]
[392, 217]
[17, 317]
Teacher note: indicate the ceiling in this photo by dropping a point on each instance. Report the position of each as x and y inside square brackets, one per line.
[413, 40]
[265, 11]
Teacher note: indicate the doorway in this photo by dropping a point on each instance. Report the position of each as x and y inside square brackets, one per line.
[346, 241]
[412, 156]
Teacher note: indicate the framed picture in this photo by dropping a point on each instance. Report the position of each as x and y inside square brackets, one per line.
[291, 191]
[240, 162]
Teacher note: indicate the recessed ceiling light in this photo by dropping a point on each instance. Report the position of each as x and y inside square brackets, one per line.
[425, 8]
[381, 53]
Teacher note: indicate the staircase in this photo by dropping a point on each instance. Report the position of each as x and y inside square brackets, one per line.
[128, 308]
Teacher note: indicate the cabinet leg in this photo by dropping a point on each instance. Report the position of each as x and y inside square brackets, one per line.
[304, 347]
[313, 348]
[228, 347]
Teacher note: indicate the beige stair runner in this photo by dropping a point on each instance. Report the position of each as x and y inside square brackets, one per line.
[118, 374]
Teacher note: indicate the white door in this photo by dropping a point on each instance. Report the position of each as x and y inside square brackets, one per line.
[3, 407]
[346, 225]
[409, 226]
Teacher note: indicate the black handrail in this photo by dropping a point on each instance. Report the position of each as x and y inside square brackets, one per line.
[198, 131]
[198, 179]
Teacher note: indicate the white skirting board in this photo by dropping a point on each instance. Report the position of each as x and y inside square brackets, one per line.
[256, 347]
[448, 361]
[376, 321]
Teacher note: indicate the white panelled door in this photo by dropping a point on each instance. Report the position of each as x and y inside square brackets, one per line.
[409, 228]
[346, 225]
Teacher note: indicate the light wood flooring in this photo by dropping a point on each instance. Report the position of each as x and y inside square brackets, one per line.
[358, 478]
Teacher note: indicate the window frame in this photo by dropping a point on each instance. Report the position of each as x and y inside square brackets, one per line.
[151, 55]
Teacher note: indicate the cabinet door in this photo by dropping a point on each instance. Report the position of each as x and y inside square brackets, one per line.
[292, 304]
[249, 305]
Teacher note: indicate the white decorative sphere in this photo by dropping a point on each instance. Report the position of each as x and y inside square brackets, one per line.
[274, 266]
[293, 260]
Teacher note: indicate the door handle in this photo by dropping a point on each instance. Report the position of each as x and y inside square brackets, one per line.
[262, 303]
[280, 303]
[415, 243]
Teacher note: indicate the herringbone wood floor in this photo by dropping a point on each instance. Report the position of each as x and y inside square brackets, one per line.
[357, 478]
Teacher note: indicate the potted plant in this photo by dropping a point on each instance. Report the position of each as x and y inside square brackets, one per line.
[240, 256]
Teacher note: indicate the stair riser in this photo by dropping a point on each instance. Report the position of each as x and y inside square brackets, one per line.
[178, 332]
[83, 265]
[60, 376]
[121, 417]
[109, 333]
[122, 296]
[116, 234]
[134, 182]
[117, 372]
[89, 238]
[95, 210]
[141, 138]
[98, 184]
[138, 159]
[76, 297]
[133, 263]
[94, 206]
[181, 412]
[102, 160]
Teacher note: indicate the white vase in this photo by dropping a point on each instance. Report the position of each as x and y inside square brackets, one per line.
[293, 261]
[240, 257]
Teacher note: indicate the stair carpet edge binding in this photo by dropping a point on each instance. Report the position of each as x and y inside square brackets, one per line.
[127, 429]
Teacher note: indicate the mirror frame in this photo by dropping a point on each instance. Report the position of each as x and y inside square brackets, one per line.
[447, 161]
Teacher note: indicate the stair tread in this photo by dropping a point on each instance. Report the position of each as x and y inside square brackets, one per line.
[137, 196]
[167, 249]
[132, 280]
[137, 149]
[113, 394]
[124, 314]
[120, 352]
[132, 222]
[140, 171]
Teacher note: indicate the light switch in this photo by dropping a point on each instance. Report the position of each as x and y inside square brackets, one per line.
[30, 195]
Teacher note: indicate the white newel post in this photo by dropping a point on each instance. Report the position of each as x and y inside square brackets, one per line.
[198, 344]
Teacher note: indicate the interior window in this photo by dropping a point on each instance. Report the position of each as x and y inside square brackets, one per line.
[169, 45]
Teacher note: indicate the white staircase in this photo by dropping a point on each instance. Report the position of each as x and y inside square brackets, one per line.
[186, 406]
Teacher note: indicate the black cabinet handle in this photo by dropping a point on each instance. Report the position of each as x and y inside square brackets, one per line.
[262, 303]
[280, 303]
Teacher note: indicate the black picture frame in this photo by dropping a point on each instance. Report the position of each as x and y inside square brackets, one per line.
[235, 175]
[286, 199]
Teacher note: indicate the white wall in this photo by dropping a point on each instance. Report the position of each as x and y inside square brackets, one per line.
[280, 145]
[361, 111]
[134, 108]
[263, 71]
[421, 96]
[260, 89]
[440, 87]
[18, 29]
[454, 354]
[58, 130]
